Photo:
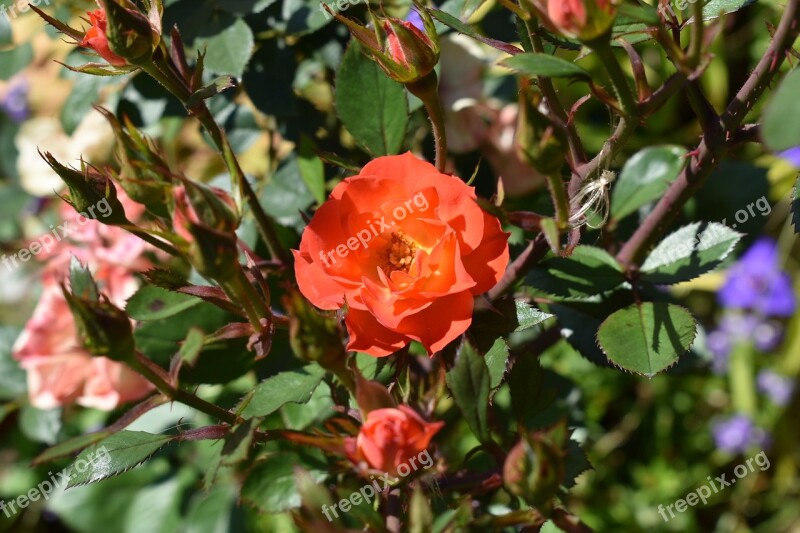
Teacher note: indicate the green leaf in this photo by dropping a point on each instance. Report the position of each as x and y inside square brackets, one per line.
[781, 129]
[14, 60]
[229, 51]
[192, 346]
[454, 23]
[272, 484]
[533, 64]
[647, 338]
[716, 8]
[116, 454]
[85, 92]
[70, 446]
[41, 425]
[527, 315]
[526, 382]
[311, 169]
[496, 359]
[6, 36]
[295, 386]
[645, 177]
[587, 272]
[689, 252]
[373, 108]
[214, 88]
[12, 377]
[154, 303]
[286, 194]
[469, 381]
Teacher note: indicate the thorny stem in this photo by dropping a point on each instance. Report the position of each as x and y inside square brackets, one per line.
[619, 81]
[265, 224]
[427, 90]
[710, 150]
[146, 368]
[548, 90]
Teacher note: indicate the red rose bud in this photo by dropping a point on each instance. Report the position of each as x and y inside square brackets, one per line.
[406, 53]
[129, 34]
[97, 40]
[585, 20]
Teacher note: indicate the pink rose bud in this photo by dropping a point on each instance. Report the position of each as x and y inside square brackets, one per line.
[578, 19]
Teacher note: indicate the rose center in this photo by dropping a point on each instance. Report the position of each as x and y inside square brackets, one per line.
[399, 254]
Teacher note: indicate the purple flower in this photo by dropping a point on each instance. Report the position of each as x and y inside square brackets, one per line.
[776, 387]
[757, 283]
[719, 344]
[792, 155]
[15, 102]
[415, 19]
[738, 433]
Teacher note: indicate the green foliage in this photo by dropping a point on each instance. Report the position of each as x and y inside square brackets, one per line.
[645, 177]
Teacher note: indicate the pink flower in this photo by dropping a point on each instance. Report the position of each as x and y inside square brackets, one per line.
[59, 371]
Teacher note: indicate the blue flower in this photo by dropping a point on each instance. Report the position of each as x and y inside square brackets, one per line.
[792, 155]
[757, 283]
[15, 102]
[777, 388]
[415, 19]
[737, 434]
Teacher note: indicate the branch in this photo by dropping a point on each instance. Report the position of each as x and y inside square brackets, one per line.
[710, 150]
[536, 249]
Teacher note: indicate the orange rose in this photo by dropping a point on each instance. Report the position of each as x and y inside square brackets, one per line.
[392, 437]
[406, 248]
[96, 39]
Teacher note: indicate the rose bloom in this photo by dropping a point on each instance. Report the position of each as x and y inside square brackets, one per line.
[391, 437]
[59, 371]
[584, 19]
[406, 248]
[96, 39]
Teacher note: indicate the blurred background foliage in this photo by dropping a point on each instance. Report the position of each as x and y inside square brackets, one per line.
[650, 441]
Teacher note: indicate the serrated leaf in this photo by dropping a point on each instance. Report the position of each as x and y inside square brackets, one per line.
[645, 177]
[689, 252]
[156, 303]
[781, 129]
[469, 382]
[229, 51]
[716, 8]
[496, 359]
[587, 272]
[647, 338]
[372, 107]
[528, 316]
[295, 386]
[533, 64]
[116, 454]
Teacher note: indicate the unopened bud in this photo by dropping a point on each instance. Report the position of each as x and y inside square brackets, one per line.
[585, 20]
[539, 142]
[129, 34]
[313, 336]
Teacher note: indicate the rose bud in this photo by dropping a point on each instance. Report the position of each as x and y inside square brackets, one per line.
[313, 336]
[406, 53]
[585, 20]
[391, 439]
[144, 174]
[89, 188]
[97, 40]
[207, 218]
[128, 33]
